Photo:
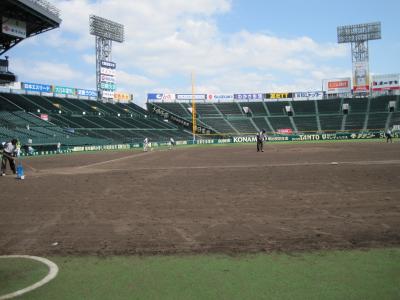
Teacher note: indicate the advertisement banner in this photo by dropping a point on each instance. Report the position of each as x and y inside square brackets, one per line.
[108, 64]
[64, 90]
[44, 117]
[308, 95]
[13, 27]
[86, 93]
[248, 96]
[122, 97]
[35, 87]
[190, 96]
[387, 82]
[107, 79]
[279, 96]
[285, 131]
[108, 94]
[108, 86]
[337, 85]
[360, 77]
[108, 71]
[161, 97]
[220, 97]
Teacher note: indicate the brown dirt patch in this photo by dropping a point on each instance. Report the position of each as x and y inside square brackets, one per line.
[214, 199]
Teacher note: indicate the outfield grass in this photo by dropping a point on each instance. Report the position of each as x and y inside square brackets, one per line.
[373, 274]
[19, 273]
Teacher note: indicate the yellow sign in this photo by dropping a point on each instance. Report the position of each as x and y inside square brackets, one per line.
[122, 97]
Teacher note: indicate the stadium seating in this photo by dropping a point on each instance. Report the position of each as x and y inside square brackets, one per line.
[331, 123]
[280, 123]
[256, 108]
[307, 115]
[306, 124]
[76, 121]
[231, 108]
[329, 106]
[277, 108]
[304, 107]
[355, 122]
[357, 105]
[243, 125]
[377, 120]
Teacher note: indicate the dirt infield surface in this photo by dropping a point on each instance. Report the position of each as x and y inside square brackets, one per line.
[205, 199]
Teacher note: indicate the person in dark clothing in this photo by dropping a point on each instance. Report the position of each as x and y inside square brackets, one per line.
[9, 154]
[261, 137]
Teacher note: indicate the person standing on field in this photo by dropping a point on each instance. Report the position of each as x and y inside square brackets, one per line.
[261, 137]
[389, 136]
[10, 151]
[145, 144]
[171, 143]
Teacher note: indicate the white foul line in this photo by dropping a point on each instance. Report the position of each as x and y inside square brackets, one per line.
[53, 271]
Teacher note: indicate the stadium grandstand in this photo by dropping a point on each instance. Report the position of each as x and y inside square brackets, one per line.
[307, 116]
[48, 120]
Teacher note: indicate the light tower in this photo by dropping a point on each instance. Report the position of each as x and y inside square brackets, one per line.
[105, 32]
[359, 35]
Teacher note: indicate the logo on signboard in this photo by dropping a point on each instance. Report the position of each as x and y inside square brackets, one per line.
[108, 64]
[338, 84]
[248, 96]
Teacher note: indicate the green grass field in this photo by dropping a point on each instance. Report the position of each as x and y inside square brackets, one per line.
[372, 274]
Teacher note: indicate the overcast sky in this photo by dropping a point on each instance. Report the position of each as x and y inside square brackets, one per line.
[232, 46]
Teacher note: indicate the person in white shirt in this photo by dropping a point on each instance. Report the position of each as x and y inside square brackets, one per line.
[145, 144]
[9, 153]
[171, 143]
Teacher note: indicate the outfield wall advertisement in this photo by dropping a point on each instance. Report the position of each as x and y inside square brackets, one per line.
[234, 140]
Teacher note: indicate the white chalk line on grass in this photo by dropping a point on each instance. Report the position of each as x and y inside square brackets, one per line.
[53, 271]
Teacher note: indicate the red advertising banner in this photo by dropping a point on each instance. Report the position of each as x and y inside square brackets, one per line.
[361, 88]
[338, 84]
[285, 131]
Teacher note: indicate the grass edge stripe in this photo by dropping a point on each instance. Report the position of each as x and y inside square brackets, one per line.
[53, 271]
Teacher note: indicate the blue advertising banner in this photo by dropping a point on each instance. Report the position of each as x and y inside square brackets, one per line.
[163, 97]
[36, 87]
[153, 96]
[87, 93]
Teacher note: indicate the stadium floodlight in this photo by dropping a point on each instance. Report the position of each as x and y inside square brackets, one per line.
[106, 29]
[359, 35]
[106, 32]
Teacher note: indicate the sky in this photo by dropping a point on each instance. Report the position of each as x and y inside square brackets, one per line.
[231, 46]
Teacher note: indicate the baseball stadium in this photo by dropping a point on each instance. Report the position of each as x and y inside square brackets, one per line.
[109, 199]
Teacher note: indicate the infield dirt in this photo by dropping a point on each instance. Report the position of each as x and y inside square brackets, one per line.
[205, 199]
